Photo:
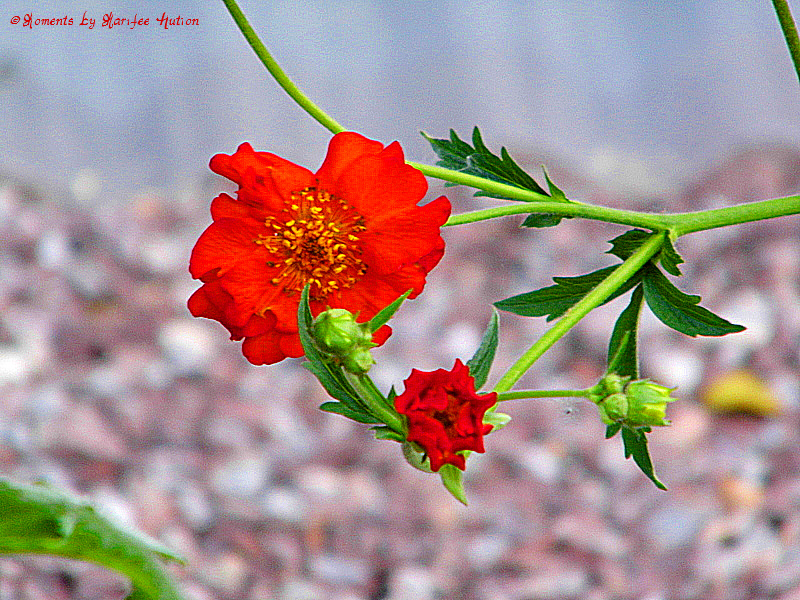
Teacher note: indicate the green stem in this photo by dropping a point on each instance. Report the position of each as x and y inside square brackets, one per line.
[523, 394]
[789, 31]
[590, 301]
[275, 70]
[372, 397]
[678, 223]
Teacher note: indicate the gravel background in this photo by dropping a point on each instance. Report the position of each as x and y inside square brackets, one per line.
[109, 388]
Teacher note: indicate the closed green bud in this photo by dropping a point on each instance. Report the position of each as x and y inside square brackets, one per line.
[647, 403]
[639, 403]
[337, 333]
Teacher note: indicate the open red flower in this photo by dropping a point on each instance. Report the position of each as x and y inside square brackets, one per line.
[352, 230]
[445, 414]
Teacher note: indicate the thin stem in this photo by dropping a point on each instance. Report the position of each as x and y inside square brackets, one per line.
[590, 301]
[521, 395]
[275, 70]
[683, 223]
[789, 32]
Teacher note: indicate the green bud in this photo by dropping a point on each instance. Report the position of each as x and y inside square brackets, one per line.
[640, 403]
[648, 403]
[337, 333]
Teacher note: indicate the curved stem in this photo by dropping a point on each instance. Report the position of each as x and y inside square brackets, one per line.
[275, 70]
[789, 31]
[370, 395]
[523, 394]
[590, 301]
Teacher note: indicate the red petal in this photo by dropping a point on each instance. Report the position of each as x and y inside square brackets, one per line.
[223, 244]
[263, 349]
[343, 149]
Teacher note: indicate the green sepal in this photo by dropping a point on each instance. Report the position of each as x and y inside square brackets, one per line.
[340, 408]
[635, 444]
[679, 310]
[553, 301]
[497, 420]
[623, 358]
[386, 433]
[39, 519]
[458, 155]
[453, 480]
[612, 429]
[481, 362]
[386, 313]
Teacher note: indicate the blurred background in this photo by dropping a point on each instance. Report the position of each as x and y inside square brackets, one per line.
[109, 388]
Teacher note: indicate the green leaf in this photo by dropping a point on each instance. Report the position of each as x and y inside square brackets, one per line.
[635, 444]
[626, 244]
[481, 362]
[452, 478]
[458, 155]
[669, 258]
[387, 313]
[497, 420]
[555, 192]
[387, 433]
[623, 246]
[622, 348]
[540, 220]
[680, 311]
[611, 430]
[555, 300]
[41, 520]
[343, 409]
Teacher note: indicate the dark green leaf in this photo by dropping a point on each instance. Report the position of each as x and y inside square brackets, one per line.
[611, 430]
[680, 311]
[669, 258]
[540, 220]
[342, 409]
[555, 191]
[555, 300]
[635, 443]
[41, 520]
[387, 313]
[481, 362]
[622, 348]
[623, 246]
[452, 478]
[458, 155]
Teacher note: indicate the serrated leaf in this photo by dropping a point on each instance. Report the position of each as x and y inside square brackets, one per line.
[342, 409]
[541, 220]
[679, 310]
[623, 356]
[481, 362]
[635, 444]
[452, 478]
[623, 246]
[553, 301]
[42, 520]
[458, 155]
[611, 430]
[383, 316]
[669, 258]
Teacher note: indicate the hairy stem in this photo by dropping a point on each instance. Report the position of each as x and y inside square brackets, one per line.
[789, 31]
[590, 301]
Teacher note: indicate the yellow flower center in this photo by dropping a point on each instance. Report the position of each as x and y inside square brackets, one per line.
[314, 240]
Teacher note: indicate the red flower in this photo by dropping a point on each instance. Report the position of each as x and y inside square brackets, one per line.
[445, 414]
[352, 230]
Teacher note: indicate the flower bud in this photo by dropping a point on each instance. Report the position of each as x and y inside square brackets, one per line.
[338, 334]
[640, 403]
